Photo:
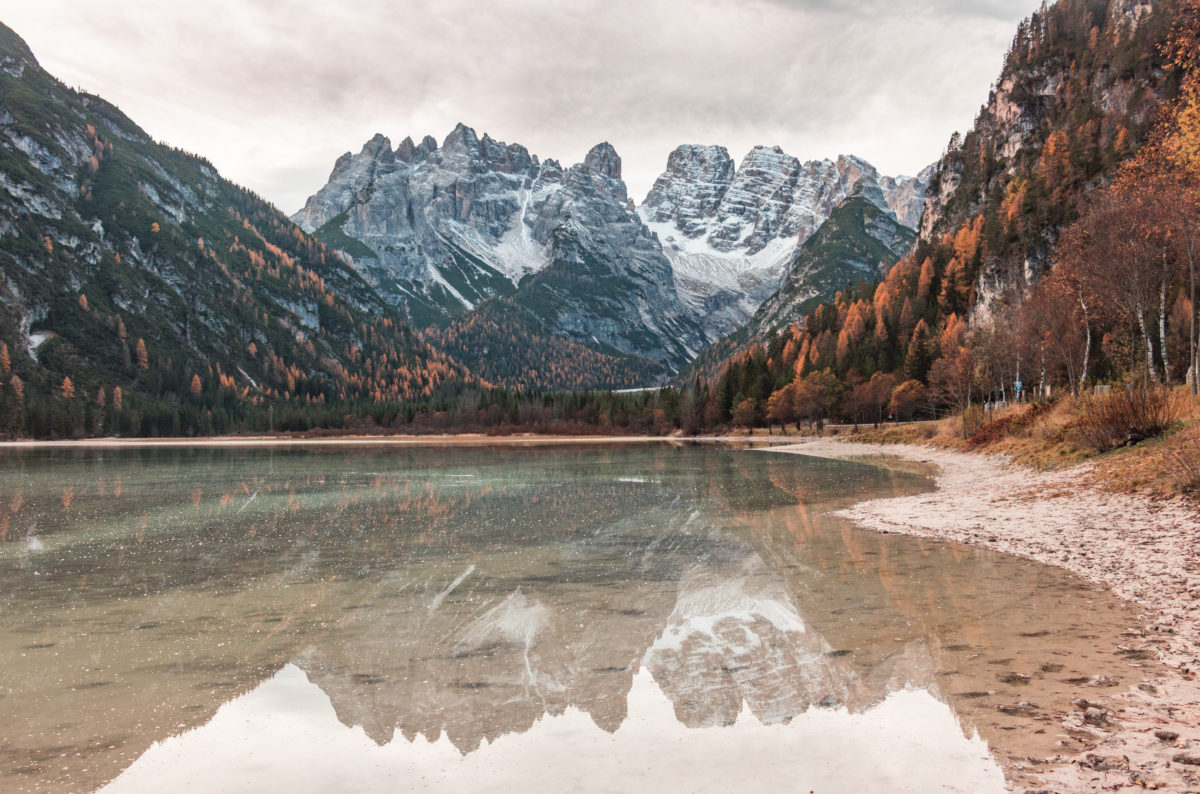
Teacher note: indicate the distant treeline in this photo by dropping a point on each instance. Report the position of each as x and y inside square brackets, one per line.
[691, 410]
[216, 412]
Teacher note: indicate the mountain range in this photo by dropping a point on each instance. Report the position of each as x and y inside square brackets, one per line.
[476, 239]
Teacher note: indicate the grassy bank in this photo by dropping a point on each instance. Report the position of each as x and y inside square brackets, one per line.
[1102, 431]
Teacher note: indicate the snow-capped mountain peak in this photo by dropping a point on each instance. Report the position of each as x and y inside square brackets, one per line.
[732, 233]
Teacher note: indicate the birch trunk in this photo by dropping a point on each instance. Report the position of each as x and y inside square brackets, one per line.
[1194, 369]
[1162, 329]
[1087, 345]
[1151, 370]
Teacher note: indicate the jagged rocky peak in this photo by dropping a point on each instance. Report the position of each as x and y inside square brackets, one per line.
[409, 152]
[770, 196]
[599, 173]
[379, 148]
[441, 230]
[905, 195]
[604, 160]
[465, 152]
[462, 150]
[551, 170]
[731, 233]
[691, 188]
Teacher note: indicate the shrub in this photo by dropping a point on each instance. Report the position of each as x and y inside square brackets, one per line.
[1186, 462]
[1011, 425]
[972, 420]
[1126, 416]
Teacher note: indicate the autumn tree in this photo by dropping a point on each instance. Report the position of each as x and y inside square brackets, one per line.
[1057, 312]
[990, 354]
[143, 358]
[918, 357]
[952, 380]
[817, 396]
[1170, 165]
[745, 413]
[1119, 252]
[879, 393]
[856, 397]
[781, 404]
[906, 399]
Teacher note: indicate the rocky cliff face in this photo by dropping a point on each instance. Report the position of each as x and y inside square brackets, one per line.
[1091, 71]
[858, 242]
[437, 229]
[732, 233]
[607, 280]
[440, 230]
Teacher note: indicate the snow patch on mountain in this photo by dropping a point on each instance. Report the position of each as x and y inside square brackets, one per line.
[732, 233]
[440, 230]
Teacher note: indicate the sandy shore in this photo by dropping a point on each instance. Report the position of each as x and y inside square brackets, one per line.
[1145, 551]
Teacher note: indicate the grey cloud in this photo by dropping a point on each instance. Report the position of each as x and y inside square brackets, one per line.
[274, 90]
[990, 9]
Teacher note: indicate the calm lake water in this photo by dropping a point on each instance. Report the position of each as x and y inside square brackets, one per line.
[654, 617]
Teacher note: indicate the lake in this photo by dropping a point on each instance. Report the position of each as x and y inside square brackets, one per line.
[606, 618]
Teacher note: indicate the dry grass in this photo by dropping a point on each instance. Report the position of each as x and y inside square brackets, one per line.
[943, 433]
[1048, 437]
[1168, 466]
[1185, 458]
[1125, 417]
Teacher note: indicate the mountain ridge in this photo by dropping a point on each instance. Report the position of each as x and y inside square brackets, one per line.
[477, 219]
[442, 230]
[732, 233]
[142, 293]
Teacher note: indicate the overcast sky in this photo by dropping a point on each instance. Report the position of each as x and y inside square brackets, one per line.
[272, 91]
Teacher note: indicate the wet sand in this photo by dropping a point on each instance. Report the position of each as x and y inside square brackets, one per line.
[1143, 550]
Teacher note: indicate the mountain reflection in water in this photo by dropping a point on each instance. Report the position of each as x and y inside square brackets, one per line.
[462, 598]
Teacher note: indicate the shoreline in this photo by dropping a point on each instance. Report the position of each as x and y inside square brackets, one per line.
[1141, 549]
[457, 440]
